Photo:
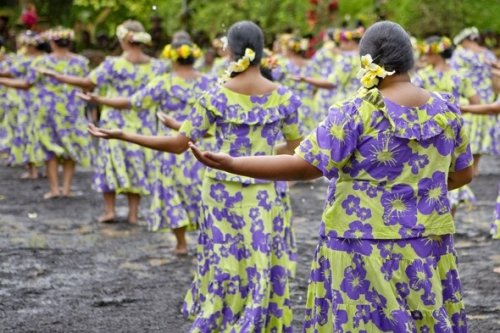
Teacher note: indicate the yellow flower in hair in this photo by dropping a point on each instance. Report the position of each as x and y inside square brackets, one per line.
[196, 52]
[371, 73]
[184, 51]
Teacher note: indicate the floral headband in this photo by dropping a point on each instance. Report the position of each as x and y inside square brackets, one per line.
[344, 35]
[60, 33]
[296, 44]
[436, 47]
[184, 51]
[30, 38]
[466, 33]
[371, 73]
[133, 36]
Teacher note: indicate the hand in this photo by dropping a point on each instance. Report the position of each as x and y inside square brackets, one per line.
[297, 78]
[214, 160]
[48, 72]
[87, 97]
[167, 120]
[105, 133]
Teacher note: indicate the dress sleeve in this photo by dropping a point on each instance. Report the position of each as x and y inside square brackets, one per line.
[461, 157]
[291, 127]
[201, 118]
[150, 96]
[331, 145]
[101, 75]
[32, 75]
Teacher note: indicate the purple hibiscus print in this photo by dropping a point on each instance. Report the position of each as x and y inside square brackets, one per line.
[451, 287]
[354, 283]
[433, 194]
[400, 206]
[359, 230]
[418, 162]
[384, 157]
[443, 323]
[459, 321]
[351, 204]
[279, 278]
[419, 274]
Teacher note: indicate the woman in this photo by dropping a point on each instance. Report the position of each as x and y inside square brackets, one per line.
[121, 168]
[21, 119]
[60, 113]
[475, 61]
[241, 283]
[292, 64]
[385, 260]
[176, 192]
[439, 76]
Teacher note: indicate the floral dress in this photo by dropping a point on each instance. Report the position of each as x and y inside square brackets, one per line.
[61, 114]
[10, 102]
[121, 167]
[176, 197]
[385, 261]
[460, 87]
[323, 63]
[476, 66]
[246, 247]
[286, 69]
[25, 144]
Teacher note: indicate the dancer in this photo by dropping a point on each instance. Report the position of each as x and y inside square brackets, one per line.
[176, 193]
[476, 61]
[439, 76]
[241, 283]
[342, 83]
[21, 119]
[292, 64]
[385, 260]
[121, 168]
[61, 114]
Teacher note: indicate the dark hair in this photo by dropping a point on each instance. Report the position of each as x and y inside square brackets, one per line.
[389, 46]
[446, 54]
[64, 42]
[184, 61]
[243, 35]
[44, 47]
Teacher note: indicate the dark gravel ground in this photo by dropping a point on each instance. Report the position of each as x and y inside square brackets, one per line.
[60, 271]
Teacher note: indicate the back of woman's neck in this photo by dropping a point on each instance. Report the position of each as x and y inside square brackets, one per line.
[187, 72]
[251, 82]
[135, 56]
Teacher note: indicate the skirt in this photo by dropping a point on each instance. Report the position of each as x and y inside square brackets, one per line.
[407, 285]
[176, 193]
[481, 132]
[246, 255]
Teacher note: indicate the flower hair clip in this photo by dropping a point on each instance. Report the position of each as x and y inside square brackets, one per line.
[243, 63]
[465, 33]
[184, 51]
[371, 73]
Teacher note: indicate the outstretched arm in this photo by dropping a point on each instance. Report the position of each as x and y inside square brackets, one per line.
[318, 83]
[481, 108]
[114, 102]
[176, 144]
[81, 82]
[281, 167]
[15, 83]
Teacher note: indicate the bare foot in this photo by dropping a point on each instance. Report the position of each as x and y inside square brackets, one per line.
[27, 175]
[107, 218]
[51, 195]
[181, 251]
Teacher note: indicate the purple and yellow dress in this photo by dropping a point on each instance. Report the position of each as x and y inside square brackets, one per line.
[323, 63]
[477, 67]
[176, 193]
[25, 144]
[119, 166]
[61, 114]
[10, 102]
[246, 249]
[460, 87]
[386, 261]
[283, 73]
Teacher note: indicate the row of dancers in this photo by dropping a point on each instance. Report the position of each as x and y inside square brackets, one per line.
[387, 196]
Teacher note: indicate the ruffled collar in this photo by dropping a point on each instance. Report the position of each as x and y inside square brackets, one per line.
[416, 123]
